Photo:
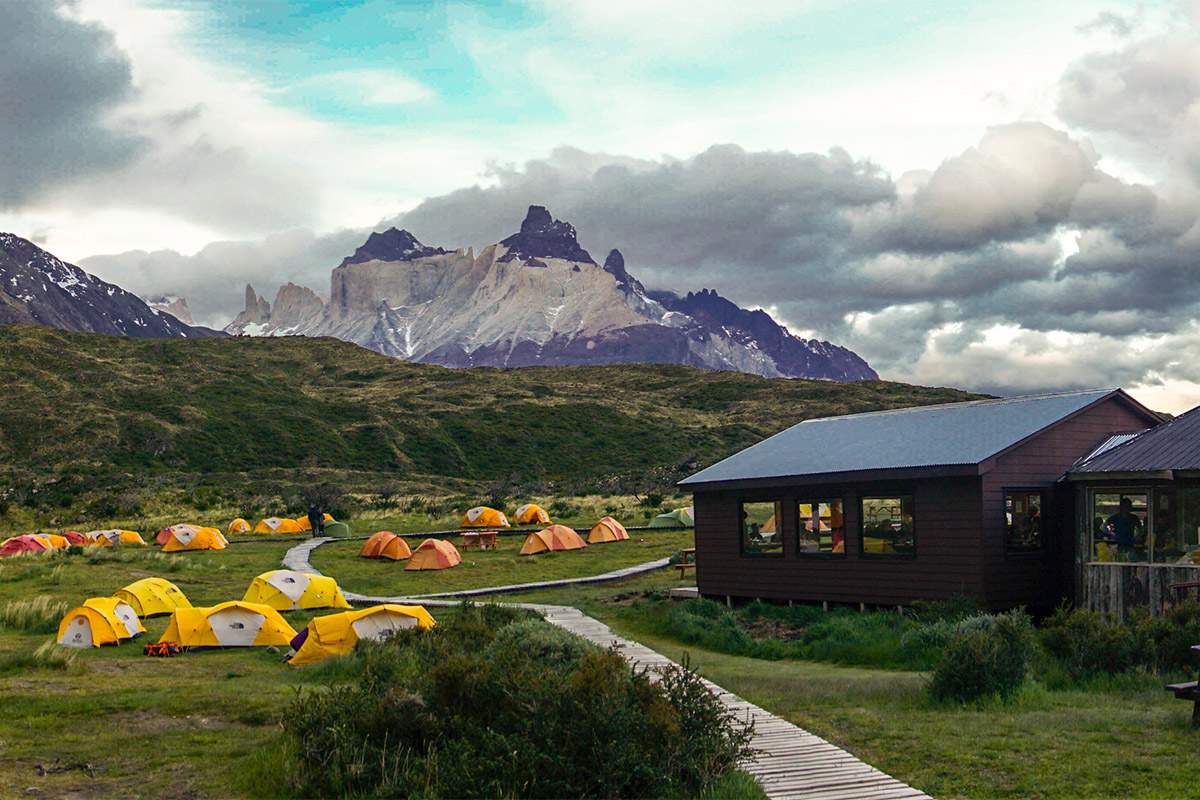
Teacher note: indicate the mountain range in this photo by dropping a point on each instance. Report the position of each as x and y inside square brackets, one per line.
[39, 288]
[536, 298]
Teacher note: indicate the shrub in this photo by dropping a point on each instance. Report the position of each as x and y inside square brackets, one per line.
[488, 704]
[1088, 643]
[985, 661]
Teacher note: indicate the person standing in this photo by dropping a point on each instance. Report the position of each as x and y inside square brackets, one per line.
[316, 519]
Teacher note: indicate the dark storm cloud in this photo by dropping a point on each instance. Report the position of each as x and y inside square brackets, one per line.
[59, 79]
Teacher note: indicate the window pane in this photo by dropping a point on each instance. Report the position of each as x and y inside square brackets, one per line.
[1177, 526]
[1023, 521]
[1119, 526]
[821, 526]
[760, 528]
[887, 524]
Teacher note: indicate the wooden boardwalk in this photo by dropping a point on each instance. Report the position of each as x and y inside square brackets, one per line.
[789, 762]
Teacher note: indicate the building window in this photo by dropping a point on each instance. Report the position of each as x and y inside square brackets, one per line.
[1023, 521]
[887, 525]
[1160, 526]
[821, 527]
[1119, 529]
[761, 534]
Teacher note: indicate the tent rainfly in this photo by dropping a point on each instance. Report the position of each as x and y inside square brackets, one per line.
[114, 536]
[386, 544]
[556, 537]
[230, 624]
[287, 590]
[483, 517]
[25, 544]
[679, 518]
[152, 596]
[306, 524]
[99, 621]
[434, 554]
[278, 525]
[530, 514]
[336, 634]
[607, 530]
[194, 537]
[239, 525]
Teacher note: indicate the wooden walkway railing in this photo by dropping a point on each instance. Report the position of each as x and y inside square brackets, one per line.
[789, 762]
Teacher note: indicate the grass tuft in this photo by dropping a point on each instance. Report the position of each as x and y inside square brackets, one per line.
[37, 615]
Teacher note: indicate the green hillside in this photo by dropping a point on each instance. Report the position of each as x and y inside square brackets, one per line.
[87, 413]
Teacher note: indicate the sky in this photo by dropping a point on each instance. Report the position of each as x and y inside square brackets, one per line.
[1001, 197]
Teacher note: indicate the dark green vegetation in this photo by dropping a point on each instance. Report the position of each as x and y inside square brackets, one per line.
[98, 426]
[492, 703]
[971, 654]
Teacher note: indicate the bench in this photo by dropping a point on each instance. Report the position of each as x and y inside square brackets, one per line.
[1181, 589]
[484, 540]
[686, 561]
[1189, 691]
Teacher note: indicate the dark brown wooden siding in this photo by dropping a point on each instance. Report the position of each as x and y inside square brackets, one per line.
[1042, 581]
[959, 522]
[946, 563]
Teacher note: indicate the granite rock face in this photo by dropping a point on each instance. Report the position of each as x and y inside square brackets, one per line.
[41, 289]
[535, 298]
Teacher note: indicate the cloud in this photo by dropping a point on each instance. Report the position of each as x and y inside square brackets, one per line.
[60, 83]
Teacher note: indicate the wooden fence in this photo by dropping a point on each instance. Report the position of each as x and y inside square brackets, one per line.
[1118, 587]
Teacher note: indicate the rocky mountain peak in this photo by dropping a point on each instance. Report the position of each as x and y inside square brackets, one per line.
[615, 266]
[542, 236]
[391, 245]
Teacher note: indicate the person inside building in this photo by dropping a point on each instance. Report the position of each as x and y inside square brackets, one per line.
[1125, 528]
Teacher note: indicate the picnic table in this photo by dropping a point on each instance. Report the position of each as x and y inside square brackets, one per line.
[686, 561]
[1189, 691]
[484, 540]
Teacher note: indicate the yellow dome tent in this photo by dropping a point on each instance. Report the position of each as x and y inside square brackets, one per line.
[114, 536]
[386, 544]
[230, 624]
[278, 525]
[287, 590]
[99, 621]
[336, 634]
[194, 537]
[55, 540]
[530, 514]
[306, 524]
[483, 517]
[556, 537]
[607, 530]
[434, 554]
[239, 525]
[151, 596]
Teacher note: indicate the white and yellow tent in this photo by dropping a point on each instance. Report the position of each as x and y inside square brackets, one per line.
[230, 624]
[306, 524]
[239, 525]
[114, 536]
[287, 590]
[194, 537]
[151, 596]
[336, 634]
[99, 621]
[278, 525]
[483, 517]
[530, 514]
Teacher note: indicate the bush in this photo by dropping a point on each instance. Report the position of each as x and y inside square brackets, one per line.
[985, 661]
[1088, 643]
[488, 704]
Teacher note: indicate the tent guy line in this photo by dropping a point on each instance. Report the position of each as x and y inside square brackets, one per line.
[788, 761]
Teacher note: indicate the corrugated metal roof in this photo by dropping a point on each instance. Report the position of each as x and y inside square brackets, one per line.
[1113, 441]
[925, 436]
[1173, 445]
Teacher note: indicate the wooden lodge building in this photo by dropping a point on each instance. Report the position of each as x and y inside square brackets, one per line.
[1007, 500]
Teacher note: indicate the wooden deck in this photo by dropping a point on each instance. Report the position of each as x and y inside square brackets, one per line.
[789, 762]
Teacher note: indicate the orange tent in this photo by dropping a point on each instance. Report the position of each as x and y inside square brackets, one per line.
[55, 540]
[556, 537]
[306, 524]
[607, 530]
[483, 517]
[434, 554]
[278, 525]
[239, 525]
[530, 514]
[386, 544]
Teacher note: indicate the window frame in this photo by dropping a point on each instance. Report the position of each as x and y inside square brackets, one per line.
[1041, 548]
[816, 501]
[862, 524]
[779, 533]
